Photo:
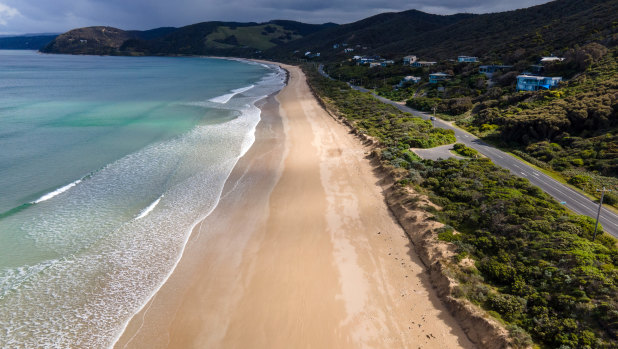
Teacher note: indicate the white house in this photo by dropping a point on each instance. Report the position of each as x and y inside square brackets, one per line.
[535, 83]
[348, 50]
[407, 60]
[409, 80]
[551, 59]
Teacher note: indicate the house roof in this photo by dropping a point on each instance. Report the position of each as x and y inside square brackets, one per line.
[536, 77]
[551, 59]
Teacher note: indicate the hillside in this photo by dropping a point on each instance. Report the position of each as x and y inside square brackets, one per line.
[207, 38]
[504, 36]
[26, 42]
[373, 33]
[91, 40]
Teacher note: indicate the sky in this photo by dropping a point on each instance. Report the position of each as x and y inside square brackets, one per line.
[56, 16]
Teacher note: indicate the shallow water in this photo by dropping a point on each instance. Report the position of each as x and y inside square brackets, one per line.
[106, 163]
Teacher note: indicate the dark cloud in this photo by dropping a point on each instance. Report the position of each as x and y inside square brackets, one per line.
[28, 16]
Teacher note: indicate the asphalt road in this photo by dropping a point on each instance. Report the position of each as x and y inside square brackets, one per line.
[571, 198]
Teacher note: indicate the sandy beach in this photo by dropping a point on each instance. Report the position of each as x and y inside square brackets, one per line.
[301, 252]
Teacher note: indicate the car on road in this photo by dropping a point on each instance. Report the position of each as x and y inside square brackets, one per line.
[433, 118]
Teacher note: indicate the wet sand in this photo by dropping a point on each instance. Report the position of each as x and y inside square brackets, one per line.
[301, 252]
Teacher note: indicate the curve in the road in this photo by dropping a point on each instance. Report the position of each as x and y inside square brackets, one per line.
[571, 198]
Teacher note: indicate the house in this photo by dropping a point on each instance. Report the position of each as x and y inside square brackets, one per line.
[423, 64]
[467, 59]
[307, 53]
[535, 83]
[488, 70]
[356, 58]
[551, 59]
[437, 77]
[387, 62]
[365, 60]
[335, 46]
[375, 64]
[83, 41]
[409, 80]
[348, 50]
[407, 60]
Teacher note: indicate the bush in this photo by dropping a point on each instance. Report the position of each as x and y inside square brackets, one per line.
[464, 150]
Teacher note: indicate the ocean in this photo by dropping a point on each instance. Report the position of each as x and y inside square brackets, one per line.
[106, 164]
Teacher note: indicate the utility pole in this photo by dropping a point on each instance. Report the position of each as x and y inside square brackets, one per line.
[596, 226]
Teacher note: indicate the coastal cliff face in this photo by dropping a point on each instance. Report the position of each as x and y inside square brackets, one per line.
[89, 41]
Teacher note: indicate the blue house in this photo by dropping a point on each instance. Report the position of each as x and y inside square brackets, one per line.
[437, 77]
[467, 59]
[535, 83]
[418, 64]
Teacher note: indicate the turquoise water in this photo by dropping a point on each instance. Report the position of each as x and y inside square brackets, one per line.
[106, 163]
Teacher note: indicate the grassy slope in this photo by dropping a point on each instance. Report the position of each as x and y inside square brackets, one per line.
[255, 36]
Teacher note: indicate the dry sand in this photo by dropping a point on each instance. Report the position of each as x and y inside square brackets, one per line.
[301, 252]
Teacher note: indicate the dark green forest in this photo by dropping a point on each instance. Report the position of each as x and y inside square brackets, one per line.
[495, 37]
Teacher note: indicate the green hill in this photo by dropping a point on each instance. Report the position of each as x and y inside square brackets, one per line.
[207, 38]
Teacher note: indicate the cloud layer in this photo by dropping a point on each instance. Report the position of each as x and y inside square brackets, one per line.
[35, 16]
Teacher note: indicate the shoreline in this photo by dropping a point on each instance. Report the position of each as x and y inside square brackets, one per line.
[268, 117]
[301, 245]
[265, 103]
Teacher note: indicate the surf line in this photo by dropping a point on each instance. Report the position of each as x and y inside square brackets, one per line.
[148, 209]
[56, 192]
[226, 98]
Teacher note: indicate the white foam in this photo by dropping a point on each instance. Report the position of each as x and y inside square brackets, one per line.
[148, 209]
[56, 192]
[226, 98]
